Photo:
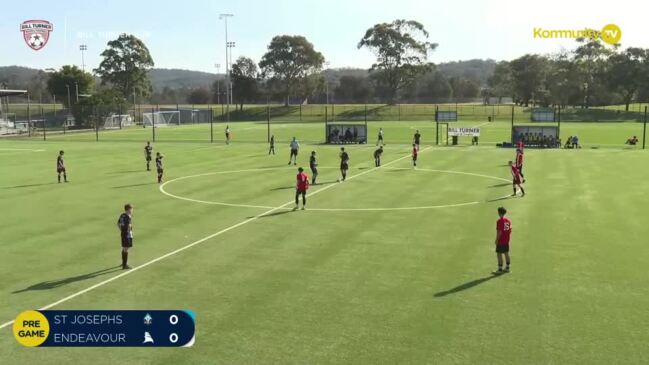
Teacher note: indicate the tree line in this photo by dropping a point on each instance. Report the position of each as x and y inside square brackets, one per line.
[292, 70]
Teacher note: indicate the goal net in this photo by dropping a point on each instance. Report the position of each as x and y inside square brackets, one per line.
[161, 119]
[118, 121]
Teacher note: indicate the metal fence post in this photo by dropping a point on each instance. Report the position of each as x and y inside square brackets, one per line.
[44, 125]
[644, 129]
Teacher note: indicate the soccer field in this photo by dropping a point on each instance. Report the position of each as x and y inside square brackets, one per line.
[392, 266]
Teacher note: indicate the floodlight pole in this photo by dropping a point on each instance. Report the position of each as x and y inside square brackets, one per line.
[327, 81]
[69, 106]
[227, 68]
[83, 48]
[76, 85]
[218, 84]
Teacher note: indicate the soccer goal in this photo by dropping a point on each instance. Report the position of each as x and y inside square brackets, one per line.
[161, 119]
[116, 121]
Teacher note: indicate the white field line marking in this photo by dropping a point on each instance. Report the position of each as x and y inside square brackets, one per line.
[252, 219]
[329, 209]
[21, 150]
[480, 125]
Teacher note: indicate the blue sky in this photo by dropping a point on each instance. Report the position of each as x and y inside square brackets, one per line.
[188, 34]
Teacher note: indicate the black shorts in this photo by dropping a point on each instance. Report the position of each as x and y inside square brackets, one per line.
[60, 169]
[414, 157]
[314, 170]
[160, 171]
[300, 191]
[344, 166]
[293, 152]
[501, 248]
[127, 241]
[148, 158]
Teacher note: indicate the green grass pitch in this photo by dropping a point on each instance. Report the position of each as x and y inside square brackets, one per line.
[357, 278]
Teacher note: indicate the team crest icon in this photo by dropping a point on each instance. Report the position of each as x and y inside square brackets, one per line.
[36, 33]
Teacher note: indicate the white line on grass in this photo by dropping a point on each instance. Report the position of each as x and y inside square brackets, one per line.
[252, 219]
[21, 150]
[209, 202]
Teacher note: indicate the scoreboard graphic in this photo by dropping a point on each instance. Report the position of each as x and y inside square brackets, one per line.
[110, 328]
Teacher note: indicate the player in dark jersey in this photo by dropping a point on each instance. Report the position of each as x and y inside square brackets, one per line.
[313, 164]
[301, 187]
[60, 167]
[148, 150]
[158, 166]
[344, 163]
[227, 134]
[416, 139]
[516, 179]
[272, 145]
[125, 225]
[415, 152]
[377, 156]
[503, 234]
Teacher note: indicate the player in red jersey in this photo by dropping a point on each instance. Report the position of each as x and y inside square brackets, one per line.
[301, 188]
[520, 145]
[516, 179]
[503, 234]
[415, 151]
[519, 162]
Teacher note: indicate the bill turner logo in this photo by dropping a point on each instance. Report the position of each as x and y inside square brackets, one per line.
[36, 33]
[610, 33]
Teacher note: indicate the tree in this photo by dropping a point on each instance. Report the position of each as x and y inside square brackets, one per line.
[528, 77]
[401, 51]
[90, 111]
[627, 72]
[289, 61]
[500, 82]
[67, 76]
[590, 58]
[199, 96]
[244, 81]
[352, 89]
[562, 81]
[126, 64]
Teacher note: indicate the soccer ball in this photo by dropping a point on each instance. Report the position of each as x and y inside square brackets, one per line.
[36, 40]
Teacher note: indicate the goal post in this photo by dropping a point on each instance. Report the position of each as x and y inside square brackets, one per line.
[117, 121]
[161, 118]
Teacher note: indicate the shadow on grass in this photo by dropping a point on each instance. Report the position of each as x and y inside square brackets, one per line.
[125, 172]
[47, 285]
[466, 286]
[274, 214]
[500, 185]
[29, 185]
[133, 185]
[499, 199]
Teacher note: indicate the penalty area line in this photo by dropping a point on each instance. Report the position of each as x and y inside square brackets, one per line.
[188, 246]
